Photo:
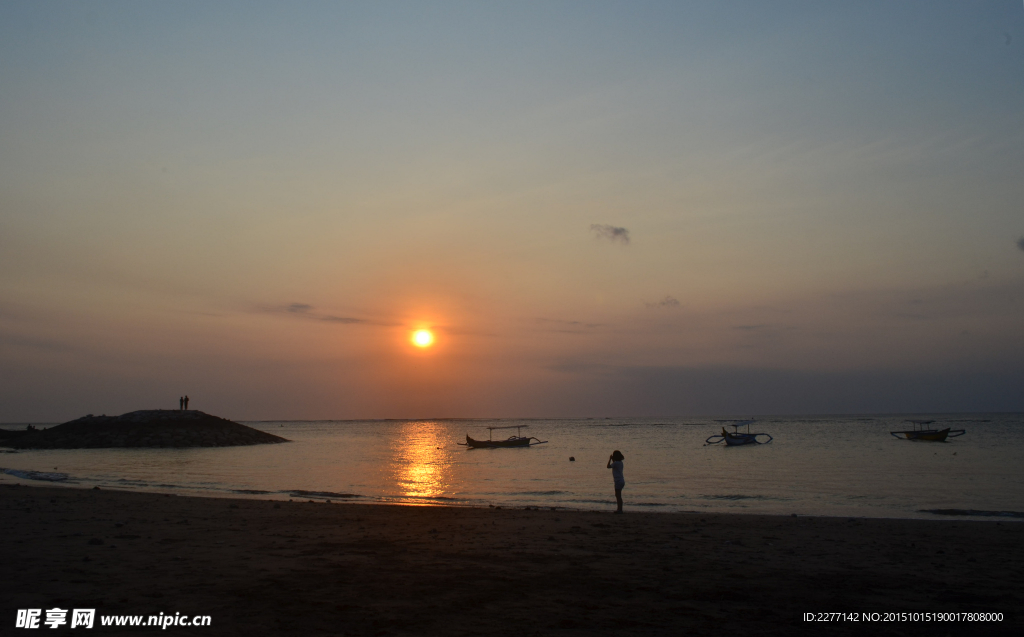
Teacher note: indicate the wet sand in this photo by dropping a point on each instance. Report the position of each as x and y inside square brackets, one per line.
[299, 568]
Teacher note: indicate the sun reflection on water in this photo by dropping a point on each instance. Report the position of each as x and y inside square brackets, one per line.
[421, 466]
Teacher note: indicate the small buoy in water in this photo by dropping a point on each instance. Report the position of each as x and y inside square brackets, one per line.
[572, 458]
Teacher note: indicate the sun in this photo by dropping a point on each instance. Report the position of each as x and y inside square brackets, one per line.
[422, 338]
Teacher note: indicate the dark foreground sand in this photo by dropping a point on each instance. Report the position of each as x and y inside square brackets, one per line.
[268, 568]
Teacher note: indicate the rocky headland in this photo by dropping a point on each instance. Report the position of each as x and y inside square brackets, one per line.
[146, 428]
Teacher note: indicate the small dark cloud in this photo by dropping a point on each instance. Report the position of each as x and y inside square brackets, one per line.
[612, 233]
[1009, 38]
[582, 367]
[343, 319]
[306, 311]
[1020, 243]
[572, 327]
[668, 301]
[34, 343]
[455, 330]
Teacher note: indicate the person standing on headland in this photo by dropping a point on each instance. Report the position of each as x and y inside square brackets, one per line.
[186, 402]
[181, 403]
[615, 464]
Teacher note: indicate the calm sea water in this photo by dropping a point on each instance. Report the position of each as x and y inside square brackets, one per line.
[843, 466]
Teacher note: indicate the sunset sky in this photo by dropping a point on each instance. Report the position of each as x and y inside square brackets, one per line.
[598, 209]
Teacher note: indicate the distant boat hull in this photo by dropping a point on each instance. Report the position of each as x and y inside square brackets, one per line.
[737, 439]
[734, 440]
[930, 435]
[510, 442]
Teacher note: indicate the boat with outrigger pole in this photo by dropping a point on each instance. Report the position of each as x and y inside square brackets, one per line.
[922, 431]
[736, 437]
[518, 440]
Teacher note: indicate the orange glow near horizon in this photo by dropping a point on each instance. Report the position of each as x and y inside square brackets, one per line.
[422, 338]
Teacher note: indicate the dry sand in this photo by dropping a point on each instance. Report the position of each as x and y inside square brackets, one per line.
[298, 568]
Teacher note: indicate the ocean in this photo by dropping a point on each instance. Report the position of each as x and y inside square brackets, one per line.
[827, 465]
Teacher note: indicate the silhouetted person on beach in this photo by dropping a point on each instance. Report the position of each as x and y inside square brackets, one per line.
[615, 464]
[181, 403]
[186, 403]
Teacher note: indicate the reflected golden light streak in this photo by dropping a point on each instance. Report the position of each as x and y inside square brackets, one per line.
[422, 465]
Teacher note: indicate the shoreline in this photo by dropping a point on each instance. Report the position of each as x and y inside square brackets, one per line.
[261, 566]
[1011, 517]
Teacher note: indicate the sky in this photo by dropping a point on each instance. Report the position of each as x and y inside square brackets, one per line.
[600, 209]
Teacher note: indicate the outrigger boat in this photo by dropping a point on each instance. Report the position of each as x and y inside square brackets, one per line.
[921, 431]
[736, 437]
[518, 440]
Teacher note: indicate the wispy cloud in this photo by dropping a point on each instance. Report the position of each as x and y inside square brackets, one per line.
[34, 343]
[612, 233]
[668, 301]
[343, 319]
[307, 311]
[1020, 243]
[568, 327]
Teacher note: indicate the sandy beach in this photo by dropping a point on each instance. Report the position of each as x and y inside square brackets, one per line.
[318, 568]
